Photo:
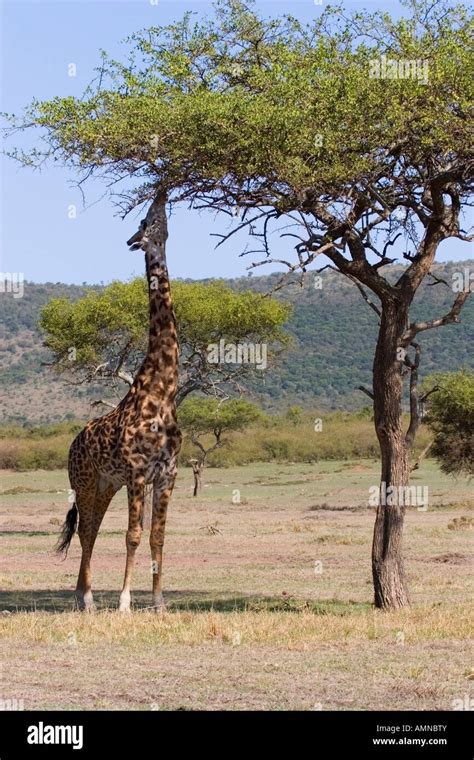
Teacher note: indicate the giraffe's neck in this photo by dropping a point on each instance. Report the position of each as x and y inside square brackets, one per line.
[157, 380]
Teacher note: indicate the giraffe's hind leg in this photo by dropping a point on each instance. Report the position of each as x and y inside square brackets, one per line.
[92, 503]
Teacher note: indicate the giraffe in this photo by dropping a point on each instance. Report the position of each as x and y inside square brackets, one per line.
[138, 442]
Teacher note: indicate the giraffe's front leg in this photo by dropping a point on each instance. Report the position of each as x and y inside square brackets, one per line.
[162, 490]
[136, 500]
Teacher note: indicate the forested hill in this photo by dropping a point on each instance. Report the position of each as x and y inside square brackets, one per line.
[333, 330]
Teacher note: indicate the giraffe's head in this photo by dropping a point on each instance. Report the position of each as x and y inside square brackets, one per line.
[155, 219]
[135, 241]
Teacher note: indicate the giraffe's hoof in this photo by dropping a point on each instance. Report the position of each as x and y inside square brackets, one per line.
[159, 604]
[84, 602]
[124, 604]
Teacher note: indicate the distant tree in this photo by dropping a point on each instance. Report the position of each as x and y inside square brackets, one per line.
[103, 335]
[450, 416]
[200, 417]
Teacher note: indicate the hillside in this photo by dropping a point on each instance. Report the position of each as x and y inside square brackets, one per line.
[333, 329]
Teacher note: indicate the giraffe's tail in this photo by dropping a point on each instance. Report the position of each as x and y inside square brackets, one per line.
[67, 531]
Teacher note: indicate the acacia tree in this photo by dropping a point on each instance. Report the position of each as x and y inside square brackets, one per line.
[203, 417]
[353, 130]
[102, 337]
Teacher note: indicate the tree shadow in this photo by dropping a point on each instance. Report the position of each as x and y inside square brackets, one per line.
[190, 601]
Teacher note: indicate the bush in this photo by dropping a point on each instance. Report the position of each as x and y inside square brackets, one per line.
[451, 419]
[275, 438]
[277, 449]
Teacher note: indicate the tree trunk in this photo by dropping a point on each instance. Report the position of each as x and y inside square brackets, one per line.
[387, 558]
[197, 483]
[197, 472]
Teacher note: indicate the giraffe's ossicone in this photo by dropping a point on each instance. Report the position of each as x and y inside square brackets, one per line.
[138, 442]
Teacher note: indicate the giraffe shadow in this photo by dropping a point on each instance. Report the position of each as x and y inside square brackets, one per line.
[12, 601]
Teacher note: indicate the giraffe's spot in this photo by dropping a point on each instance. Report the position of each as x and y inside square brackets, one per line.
[168, 359]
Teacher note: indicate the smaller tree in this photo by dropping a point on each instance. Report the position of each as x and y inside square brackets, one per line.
[102, 337]
[200, 417]
[451, 419]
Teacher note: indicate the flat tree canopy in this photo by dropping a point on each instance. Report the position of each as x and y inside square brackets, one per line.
[103, 336]
[201, 416]
[238, 110]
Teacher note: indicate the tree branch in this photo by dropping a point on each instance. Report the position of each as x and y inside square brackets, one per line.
[451, 317]
[105, 403]
[422, 456]
[415, 417]
[364, 295]
[366, 391]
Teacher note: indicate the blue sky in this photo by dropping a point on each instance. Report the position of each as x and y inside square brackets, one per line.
[39, 40]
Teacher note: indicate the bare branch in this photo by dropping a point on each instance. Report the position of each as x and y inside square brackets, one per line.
[364, 295]
[100, 402]
[451, 317]
[415, 416]
[428, 393]
[366, 391]
[125, 376]
[422, 456]
[105, 371]
[437, 280]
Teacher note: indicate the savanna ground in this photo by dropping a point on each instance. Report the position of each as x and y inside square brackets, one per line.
[269, 599]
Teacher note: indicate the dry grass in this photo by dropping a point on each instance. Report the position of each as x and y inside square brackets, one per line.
[284, 630]
[250, 624]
